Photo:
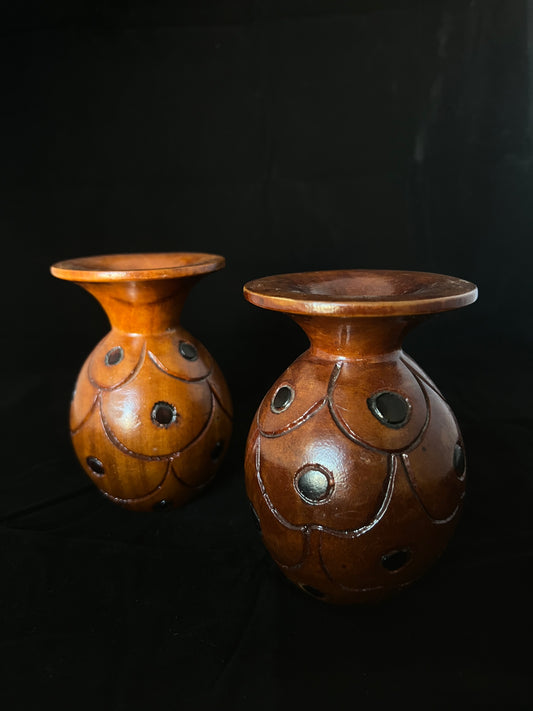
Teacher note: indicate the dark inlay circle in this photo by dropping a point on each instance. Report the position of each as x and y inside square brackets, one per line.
[256, 517]
[395, 559]
[217, 450]
[313, 591]
[114, 356]
[163, 414]
[95, 465]
[392, 409]
[283, 397]
[459, 463]
[313, 485]
[162, 505]
[188, 351]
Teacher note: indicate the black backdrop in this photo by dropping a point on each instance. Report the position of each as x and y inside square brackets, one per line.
[286, 136]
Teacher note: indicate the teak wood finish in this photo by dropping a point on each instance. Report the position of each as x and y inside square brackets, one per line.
[151, 414]
[355, 465]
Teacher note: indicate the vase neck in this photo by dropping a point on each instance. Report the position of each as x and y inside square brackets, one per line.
[144, 307]
[334, 337]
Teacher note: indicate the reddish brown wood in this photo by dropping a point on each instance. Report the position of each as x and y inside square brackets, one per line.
[355, 463]
[151, 413]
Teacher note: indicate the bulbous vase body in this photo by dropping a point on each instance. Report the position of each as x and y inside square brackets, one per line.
[150, 425]
[355, 465]
[351, 503]
[151, 414]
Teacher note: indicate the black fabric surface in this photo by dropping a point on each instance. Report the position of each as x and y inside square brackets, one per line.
[288, 137]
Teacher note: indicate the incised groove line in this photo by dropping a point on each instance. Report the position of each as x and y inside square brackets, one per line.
[414, 489]
[219, 401]
[135, 499]
[295, 423]
[347, 533]
[350, 434]
[87, 415]
[125, 380]
[154, 457]
[159, 365]
[299, 564]
[419, 376]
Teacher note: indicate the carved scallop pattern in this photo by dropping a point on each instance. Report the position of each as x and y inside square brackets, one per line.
[394, 494]
[150, 427]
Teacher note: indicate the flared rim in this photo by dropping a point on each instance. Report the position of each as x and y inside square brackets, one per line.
[137, 266]
[361, 292]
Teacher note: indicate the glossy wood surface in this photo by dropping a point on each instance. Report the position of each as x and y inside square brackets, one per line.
[137, 267]
[355, 464]
[361, 292]
[151, 414]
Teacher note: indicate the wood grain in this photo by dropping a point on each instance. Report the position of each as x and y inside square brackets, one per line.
[358, 481]
[151, 414]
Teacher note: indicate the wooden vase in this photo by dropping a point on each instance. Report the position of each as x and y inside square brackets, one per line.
[355, 465]
[151, 414]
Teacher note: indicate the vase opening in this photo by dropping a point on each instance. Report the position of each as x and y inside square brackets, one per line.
[360, 292]
[137, 267]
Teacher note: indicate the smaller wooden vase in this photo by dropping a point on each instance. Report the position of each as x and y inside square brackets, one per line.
[355, 465]
[151, 414]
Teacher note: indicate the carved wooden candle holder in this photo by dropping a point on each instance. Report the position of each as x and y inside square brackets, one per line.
[151, 414]
[355, 465]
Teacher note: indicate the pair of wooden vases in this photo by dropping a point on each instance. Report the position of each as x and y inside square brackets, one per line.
[355, 465]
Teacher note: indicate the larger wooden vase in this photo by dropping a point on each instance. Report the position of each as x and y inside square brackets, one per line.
[150, 417]
[355, 465]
